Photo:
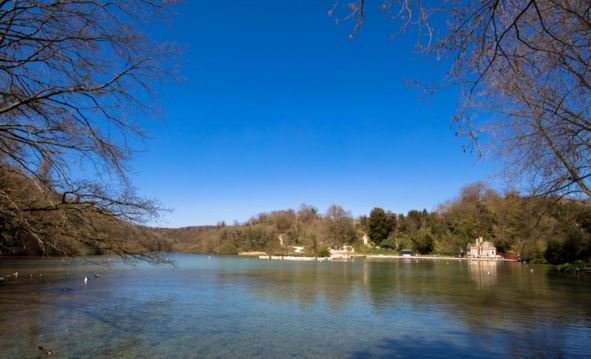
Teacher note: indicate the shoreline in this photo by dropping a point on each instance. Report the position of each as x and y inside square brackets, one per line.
[380, 256]
[387, 256]
[294, 258]
[263, 255]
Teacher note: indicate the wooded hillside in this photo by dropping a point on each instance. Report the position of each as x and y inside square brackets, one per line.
[534, 228]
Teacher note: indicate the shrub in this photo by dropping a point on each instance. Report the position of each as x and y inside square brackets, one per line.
[388, 244]
[323, 253]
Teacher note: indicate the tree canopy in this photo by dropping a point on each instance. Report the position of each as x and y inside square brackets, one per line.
[530, 227]
[380, 225]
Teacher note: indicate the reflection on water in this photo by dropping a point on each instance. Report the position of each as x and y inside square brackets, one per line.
[483, 273]
[236, 307]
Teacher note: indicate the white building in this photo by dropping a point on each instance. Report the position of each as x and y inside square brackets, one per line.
[481, 249]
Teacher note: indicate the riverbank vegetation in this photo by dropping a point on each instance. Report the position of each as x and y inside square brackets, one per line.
[544, 229]
[540, 229]
[77, 87]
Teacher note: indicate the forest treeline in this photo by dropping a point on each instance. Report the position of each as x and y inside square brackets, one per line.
[545, 229]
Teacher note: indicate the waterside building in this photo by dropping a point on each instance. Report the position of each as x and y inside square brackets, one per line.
[481, 249]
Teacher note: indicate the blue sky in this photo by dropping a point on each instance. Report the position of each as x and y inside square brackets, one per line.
[278, 108]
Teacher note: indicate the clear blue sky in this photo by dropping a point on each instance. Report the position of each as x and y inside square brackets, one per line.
[280, 108]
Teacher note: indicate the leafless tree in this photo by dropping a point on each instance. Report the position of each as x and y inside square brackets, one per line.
[76, 80]
[523, 68]
[339, 226]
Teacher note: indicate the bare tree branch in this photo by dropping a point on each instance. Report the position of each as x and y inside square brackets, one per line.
[524, 73]
[75, 85]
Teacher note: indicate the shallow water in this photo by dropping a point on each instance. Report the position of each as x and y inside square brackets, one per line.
[237, 307]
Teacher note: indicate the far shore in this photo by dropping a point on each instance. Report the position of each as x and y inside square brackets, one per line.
[434, 257]
[372, 256]
[264, 255]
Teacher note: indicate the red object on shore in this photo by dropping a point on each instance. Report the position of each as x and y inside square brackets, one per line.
[512, 256]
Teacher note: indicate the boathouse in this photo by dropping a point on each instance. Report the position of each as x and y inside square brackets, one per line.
[406, 252]
[482, 249]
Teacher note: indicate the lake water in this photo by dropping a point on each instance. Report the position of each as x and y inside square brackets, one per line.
[235, 307]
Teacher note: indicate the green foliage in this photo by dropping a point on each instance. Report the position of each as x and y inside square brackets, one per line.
[560, 231]
[388, 243]
[227, 249]
[323, 253]
[576, 267]
[414, 221]
[422, 241]
[363, 223]
[380, 225]
[539, 260]
[573, 248]
[403, 241]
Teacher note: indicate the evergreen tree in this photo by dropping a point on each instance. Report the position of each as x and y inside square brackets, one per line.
[381, 224]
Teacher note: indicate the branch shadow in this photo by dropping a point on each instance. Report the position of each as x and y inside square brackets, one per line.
[409, 347]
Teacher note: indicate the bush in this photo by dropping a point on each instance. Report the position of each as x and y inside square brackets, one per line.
[539, 260]
[562, 252]
[323, 253]
[388, 244]
[573, 267]
[422, 241]
[227, 249]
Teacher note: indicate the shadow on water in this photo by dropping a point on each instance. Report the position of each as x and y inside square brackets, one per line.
[412, 347]
[73, 320]
[407, 347]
